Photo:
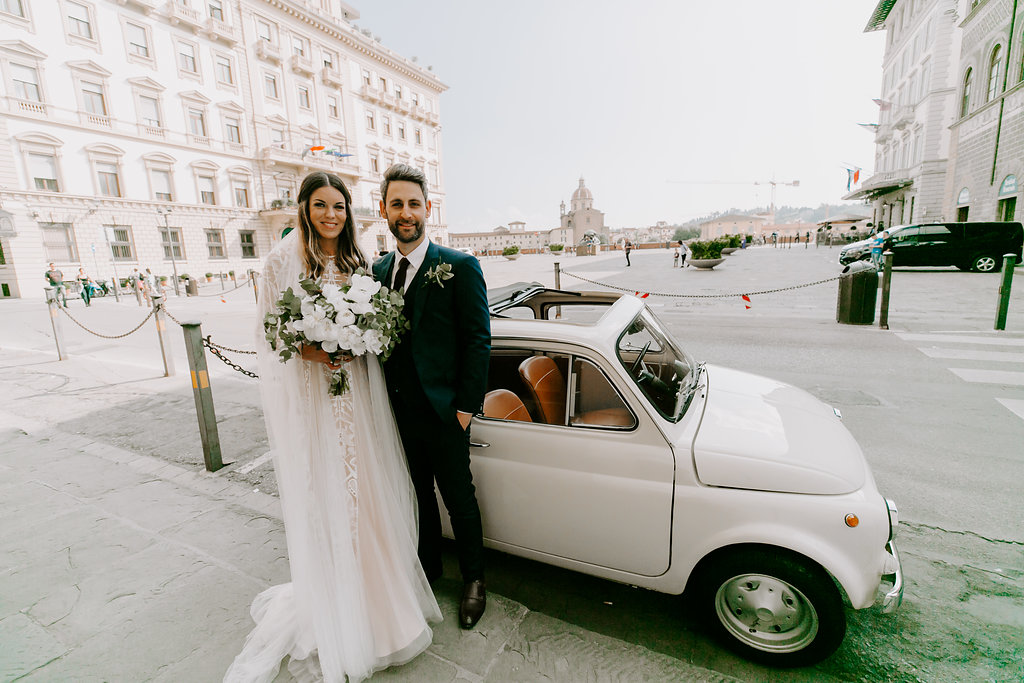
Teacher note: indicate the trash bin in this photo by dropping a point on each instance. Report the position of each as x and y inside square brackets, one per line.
[858, 287]
[191, 287]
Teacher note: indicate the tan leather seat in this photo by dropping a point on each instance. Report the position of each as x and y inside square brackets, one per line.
[502, 404]
[547, 386]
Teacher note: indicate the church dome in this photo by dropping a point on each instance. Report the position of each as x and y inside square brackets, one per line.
[582, 192]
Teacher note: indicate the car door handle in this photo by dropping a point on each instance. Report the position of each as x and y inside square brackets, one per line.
[479, 444]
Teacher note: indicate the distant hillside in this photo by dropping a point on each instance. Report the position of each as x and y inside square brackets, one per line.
[783, 214]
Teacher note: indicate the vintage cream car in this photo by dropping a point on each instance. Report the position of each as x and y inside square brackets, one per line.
[603, 447]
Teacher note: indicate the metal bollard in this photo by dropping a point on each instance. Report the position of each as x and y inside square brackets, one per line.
[203, 395]
[161, 334]
[558, 285]
[221, 275]
[138, 291]
[883, 314]
[1004, 290]
[58, 331]
[255, 287]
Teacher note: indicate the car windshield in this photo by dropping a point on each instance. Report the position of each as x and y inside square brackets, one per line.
[666, 374]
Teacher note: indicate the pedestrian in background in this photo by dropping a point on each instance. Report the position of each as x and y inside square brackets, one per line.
[683, 251]
[876, 248]
[675, 258]
[87, 286]
[56, 279]
[629, 248]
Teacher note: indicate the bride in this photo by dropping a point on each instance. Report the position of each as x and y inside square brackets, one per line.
[358, 600]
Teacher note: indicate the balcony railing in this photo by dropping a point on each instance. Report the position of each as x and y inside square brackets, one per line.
[267, 51]
[198, 140]
[94, 120]
[902, 116]
[330, 77]
[275, 156]
[301, 64]
[154, 131]
[179, 14]
[32, 108]
[219, 30]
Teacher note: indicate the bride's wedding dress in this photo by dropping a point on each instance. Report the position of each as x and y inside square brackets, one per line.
[358, 600]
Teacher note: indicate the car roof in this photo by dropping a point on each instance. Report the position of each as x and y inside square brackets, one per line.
[602, 333]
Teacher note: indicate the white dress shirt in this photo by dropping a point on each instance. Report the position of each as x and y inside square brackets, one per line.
[416, 258]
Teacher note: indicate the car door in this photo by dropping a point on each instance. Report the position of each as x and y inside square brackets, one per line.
[936, 246]
[594, 487]
[903, 244]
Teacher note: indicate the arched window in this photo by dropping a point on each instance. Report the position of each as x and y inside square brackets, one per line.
[965, 100]
[995, 66]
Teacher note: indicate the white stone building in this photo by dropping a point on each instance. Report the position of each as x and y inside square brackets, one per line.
[134, 131]
[733, 224]
[917, 106]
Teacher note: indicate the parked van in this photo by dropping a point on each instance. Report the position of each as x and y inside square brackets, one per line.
[977, 246]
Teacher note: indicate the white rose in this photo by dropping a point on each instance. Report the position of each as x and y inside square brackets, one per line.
[345, 317]
[373, 341]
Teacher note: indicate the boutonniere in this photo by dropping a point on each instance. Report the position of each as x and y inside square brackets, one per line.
[438, 274]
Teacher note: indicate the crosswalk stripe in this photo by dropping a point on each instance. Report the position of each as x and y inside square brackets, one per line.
[958, 339]
[990, 376]
[1015, 405]
[967, 354]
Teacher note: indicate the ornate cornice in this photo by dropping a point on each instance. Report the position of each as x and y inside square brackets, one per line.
[355, 40]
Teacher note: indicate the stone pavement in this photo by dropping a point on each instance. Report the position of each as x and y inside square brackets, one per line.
[121, 566]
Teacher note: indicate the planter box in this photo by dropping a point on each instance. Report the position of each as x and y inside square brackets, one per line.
[706, 263]
[729, 250]
[511, 257]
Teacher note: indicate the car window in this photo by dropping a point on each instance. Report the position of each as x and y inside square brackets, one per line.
[595, 402]
[905, 236]
[934, 233]
[556, 389]
[664, 373]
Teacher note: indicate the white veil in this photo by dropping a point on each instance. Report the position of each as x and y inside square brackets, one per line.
[362, 610]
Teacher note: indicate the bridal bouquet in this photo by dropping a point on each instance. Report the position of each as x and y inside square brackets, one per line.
[352, 319]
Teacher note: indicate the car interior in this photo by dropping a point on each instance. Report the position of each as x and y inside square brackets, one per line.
[554, 389]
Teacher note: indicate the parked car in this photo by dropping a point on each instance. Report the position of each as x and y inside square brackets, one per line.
[605, 448]
[977, 246]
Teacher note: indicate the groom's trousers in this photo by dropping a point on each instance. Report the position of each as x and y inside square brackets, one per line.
[439, 450]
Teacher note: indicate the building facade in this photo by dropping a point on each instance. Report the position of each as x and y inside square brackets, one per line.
[916, 108]
[732, 224]
[175, 135]
[987, 163]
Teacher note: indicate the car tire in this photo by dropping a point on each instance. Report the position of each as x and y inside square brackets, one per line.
[984, 263]
[770, 607]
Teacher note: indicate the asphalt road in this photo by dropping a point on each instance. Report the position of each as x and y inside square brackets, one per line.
[936, 402]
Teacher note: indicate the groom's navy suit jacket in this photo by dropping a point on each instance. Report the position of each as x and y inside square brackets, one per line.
[450, 339]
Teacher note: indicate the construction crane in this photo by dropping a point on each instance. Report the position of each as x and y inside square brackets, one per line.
[773, 183]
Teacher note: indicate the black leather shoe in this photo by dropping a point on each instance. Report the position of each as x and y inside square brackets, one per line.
[474, 601]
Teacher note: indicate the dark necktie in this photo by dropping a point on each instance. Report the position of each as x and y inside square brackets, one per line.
[403, 266]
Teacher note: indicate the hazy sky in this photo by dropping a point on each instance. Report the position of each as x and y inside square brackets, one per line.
[632, 95]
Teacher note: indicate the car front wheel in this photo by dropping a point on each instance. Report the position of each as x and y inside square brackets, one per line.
[774, 609]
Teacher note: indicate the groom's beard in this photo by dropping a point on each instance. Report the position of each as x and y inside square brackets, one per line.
[406, 232]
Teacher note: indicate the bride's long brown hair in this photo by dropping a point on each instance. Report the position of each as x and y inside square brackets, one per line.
[348, 257]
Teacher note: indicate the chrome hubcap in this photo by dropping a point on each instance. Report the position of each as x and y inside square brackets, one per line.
[985, 264]
[766, 613]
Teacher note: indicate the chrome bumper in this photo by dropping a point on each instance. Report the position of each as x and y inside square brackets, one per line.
[892, 600]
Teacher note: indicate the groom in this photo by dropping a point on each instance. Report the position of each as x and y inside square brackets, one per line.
[437, 376]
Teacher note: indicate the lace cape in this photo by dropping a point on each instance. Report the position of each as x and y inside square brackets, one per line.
[358, 600]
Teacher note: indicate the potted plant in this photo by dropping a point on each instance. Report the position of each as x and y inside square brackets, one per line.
[209, 277]
[231, 274]
[732, 243]
[706, 254]
[511, 253]
[184, 277]
[556, 248]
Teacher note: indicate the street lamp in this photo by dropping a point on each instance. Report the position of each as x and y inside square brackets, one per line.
[170, 245]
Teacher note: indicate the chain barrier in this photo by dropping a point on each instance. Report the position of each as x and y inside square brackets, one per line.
[245, 283]
[215, 350]
[109, 336]
[700, 296]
